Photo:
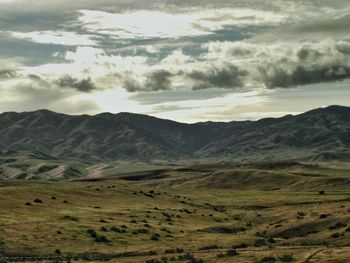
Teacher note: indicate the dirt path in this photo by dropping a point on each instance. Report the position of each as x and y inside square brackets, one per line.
[312, 255]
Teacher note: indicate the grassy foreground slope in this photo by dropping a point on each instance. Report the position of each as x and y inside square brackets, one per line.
[202, 211]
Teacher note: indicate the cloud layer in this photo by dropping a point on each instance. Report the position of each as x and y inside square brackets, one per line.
[110, 55]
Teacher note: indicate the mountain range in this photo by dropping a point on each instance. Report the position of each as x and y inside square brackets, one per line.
[321, 134]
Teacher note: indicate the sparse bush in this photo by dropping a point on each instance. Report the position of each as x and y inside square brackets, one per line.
[231, 253]
[180, 250]
[101, 239]
[209, 247]
[165, 230]
[260, 243]
[336, 235]
[140, 231]
[337, 226]
[322, 216]
[91, 232]
[243, 245]
[224, 229]
[58, 252]
[155, 237]
[237, 217]
[103, 229]
[268, 259]
[37, 200]
[71, 218]
[286, 258]
[118, 230]
[170, 251]
[301, 215]
[271, 240]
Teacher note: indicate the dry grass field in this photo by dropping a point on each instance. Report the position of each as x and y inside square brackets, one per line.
[200, 214]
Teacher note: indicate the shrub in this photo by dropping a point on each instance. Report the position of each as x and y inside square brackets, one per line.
[271, 240]
[243, 245]
[91, 232]
[170, 251]
[337, 226]
[286, 258]
[180, 250]
[260, 243]
[209, 247]
[140, 231]
[231, 253]
[322, 216]
[37, 200]
[101, 239]
[103, 229]
[268, 259]
[155, 237]
[224, 229]
[336, 235]
[118, 230]
[71, 218]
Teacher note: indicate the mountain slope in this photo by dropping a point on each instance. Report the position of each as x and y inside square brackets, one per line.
[320, 134]
[324, 131]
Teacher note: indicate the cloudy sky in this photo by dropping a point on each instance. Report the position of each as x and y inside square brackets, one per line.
[189, 61]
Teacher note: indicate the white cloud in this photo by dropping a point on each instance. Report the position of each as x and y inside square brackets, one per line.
[157, 24]
[55, 37]
[140, 24]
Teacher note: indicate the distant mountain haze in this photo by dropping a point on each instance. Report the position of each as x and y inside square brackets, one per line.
[318, 135]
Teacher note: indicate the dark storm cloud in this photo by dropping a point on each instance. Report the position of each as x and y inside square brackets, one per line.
[159, 80]
[83, 85]
[309, 64]
[156, 80]
[226, 76]
[278, 77]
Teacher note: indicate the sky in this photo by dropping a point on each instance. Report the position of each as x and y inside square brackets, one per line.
[189, 61]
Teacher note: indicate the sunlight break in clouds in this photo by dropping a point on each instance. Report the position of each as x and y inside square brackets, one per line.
[55, 37]
[152, 24]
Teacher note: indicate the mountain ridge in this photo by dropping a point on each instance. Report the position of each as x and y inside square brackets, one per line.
[137, 137]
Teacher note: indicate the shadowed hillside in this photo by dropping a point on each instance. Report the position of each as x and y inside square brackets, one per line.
[317, 135]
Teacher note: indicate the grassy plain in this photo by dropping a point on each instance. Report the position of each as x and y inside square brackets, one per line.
[252, 213]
